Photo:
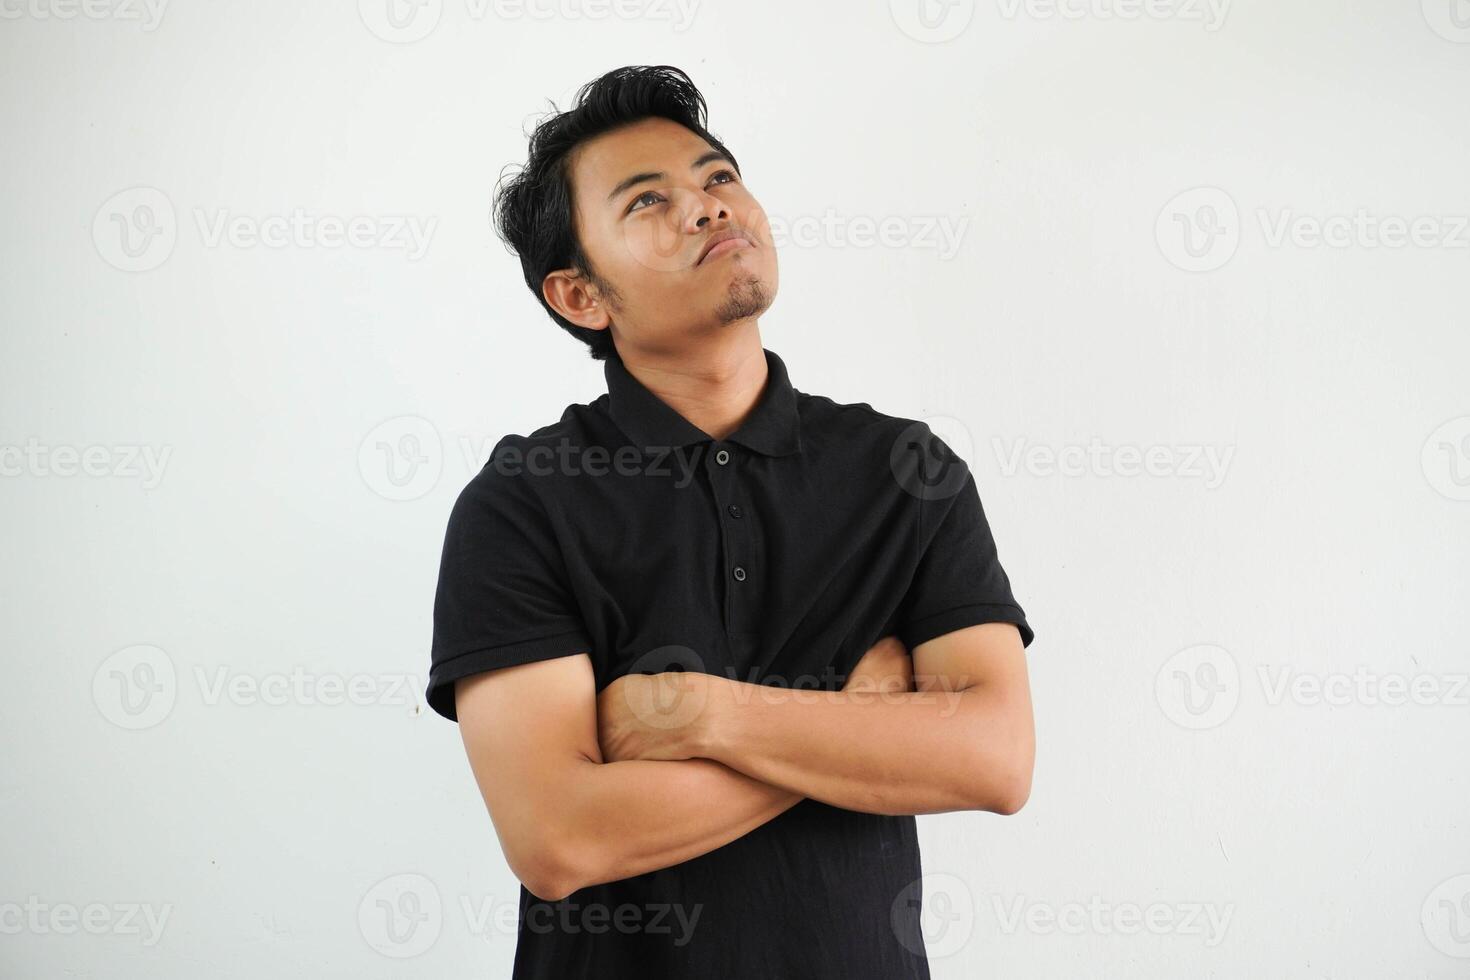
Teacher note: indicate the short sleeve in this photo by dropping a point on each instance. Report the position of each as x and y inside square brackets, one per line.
[959, 581]
[503, 597]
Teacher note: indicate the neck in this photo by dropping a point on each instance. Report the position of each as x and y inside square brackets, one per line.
[714, 387]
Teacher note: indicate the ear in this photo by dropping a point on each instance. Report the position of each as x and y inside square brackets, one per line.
[575, 298]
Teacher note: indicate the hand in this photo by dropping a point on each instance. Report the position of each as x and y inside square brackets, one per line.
[652, 716]
[885, 668]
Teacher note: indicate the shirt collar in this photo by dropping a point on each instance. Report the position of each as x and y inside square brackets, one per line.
[772, 428]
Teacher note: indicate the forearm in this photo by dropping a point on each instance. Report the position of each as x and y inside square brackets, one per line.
[619, 819]
[895, 753]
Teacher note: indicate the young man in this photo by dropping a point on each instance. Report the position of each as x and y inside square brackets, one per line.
[712, 641]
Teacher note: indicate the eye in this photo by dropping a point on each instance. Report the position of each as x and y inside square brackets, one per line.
[634, 206]
[657, 198]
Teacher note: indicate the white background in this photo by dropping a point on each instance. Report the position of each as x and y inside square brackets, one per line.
[1229, 783]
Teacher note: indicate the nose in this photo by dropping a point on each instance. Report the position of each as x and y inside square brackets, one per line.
[700, 209]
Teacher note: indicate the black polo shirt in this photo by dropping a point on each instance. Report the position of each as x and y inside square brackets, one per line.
[777, 555]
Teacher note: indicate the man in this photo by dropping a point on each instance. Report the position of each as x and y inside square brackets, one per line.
[712, 641]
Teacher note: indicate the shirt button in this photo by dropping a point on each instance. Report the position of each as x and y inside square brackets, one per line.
[734, 510]
[739, 573]
[722, 457]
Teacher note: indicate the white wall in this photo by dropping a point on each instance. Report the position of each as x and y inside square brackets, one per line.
[1262, 830]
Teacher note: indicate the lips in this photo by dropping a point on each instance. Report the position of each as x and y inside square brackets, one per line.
[725, 241]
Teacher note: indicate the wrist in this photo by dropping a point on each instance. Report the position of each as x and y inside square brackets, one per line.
[708, 735]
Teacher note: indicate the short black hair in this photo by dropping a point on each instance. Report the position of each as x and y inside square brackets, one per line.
[533, 206]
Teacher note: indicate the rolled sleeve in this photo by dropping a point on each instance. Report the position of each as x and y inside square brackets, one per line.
[959, 580]
[502, 597]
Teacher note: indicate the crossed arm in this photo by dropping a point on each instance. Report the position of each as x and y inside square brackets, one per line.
[585, 788]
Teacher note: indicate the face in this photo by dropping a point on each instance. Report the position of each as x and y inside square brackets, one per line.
[649, 199]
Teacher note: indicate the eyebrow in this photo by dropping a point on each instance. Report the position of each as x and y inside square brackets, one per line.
[636, 179]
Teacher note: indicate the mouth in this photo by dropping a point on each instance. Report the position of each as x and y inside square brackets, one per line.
[723, 244]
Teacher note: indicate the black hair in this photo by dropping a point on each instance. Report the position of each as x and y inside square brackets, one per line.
[533, 206]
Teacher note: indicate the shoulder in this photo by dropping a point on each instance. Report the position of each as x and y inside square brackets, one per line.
[864, 428]
[523, 467]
